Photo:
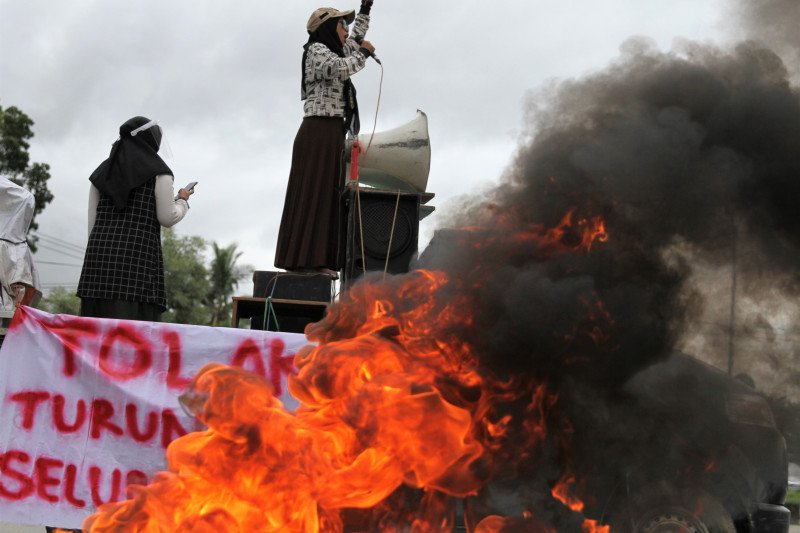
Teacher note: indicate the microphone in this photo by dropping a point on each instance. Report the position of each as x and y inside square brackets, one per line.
[359, 40]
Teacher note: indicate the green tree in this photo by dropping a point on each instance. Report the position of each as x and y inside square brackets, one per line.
[61, 300]
[15, 130]
[224, 275]
[185, 278]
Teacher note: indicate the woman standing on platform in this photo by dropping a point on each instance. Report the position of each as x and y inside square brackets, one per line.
[131, 197]
[312, 226]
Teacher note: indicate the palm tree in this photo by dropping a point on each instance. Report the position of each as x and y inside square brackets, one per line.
[225, 276]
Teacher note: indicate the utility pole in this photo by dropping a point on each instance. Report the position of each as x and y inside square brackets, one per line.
[732, 319]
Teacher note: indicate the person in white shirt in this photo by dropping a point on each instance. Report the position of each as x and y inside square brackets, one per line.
[18, 275]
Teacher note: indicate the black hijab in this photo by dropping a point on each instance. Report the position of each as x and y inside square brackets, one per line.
[132, 162]
[326, 34]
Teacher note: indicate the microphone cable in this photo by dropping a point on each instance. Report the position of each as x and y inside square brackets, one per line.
[358, 187]
[377, 109]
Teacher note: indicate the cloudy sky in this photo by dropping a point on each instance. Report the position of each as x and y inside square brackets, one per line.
[223, 80]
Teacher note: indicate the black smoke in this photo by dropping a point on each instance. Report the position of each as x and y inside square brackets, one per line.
[692, 160]
[773, 23]
[687, 156]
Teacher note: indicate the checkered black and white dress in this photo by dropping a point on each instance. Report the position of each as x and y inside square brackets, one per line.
[123, 257]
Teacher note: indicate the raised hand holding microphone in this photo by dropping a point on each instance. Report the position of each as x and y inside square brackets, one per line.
[368, 49]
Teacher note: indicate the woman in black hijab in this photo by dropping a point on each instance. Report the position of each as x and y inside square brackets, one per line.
[312, 226]
[131, 197]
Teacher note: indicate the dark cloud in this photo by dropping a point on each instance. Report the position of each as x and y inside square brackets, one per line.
[223, 81]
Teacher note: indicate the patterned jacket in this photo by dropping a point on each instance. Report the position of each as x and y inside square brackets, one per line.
[123, 256]
[326, 73]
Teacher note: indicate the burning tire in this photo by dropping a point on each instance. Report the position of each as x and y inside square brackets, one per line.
[666, 512]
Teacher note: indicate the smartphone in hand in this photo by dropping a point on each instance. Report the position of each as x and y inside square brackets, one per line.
[189, 187]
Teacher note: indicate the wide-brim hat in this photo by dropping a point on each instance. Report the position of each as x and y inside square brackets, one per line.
[324, 14]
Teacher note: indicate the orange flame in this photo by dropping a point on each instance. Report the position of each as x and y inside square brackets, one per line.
[500, 524]
[566, 236]
[563, 493]
[391, 397]
[372, 419]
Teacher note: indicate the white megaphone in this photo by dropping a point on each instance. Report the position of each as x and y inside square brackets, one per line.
[397, 159]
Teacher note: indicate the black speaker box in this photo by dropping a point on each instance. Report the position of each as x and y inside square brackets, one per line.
[384, 220]
[292, 317]
[311, 287]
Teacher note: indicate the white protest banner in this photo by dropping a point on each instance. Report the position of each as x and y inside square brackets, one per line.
[89, 405]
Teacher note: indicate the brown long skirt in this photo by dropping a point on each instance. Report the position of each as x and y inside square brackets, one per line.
[313, 226]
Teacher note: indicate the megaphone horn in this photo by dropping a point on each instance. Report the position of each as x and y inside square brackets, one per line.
[397, 159]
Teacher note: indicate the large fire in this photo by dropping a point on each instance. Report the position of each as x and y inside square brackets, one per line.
[397, 422]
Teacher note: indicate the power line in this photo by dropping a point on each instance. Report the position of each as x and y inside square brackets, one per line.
[70, 254]
[61, 242]
[62, 245]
